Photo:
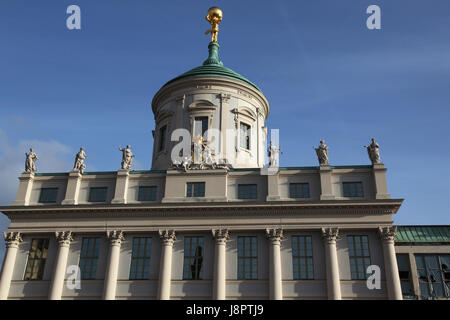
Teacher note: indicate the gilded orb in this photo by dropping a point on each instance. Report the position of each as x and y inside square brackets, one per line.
[214, 15]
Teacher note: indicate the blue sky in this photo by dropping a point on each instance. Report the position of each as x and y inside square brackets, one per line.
[324, 73]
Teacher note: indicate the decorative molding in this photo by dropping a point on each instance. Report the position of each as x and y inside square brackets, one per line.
[12, 239]
[168, 237]
[221, 235]
[225, 97]
[64, 238]
[387, 233]
[330, 234]
[115, 237]
[274, 235]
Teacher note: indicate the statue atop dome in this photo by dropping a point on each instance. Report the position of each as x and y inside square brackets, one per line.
[214, 17]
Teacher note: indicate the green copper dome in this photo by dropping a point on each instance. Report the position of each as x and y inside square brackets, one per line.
[213, 67]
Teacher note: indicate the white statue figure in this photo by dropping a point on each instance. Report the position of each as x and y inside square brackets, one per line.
[198, 149]
[273, 152]
[79, 161]
[127, 157]
[207, 154]
[322, 153]
[30, 161]
[374, 151]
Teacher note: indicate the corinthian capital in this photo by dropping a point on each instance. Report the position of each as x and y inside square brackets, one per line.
[115, 237]
[387, 233]
[168, 237]
[12, 239]
[64, 238]
[330, 234]
[275, 235]
[221, 235]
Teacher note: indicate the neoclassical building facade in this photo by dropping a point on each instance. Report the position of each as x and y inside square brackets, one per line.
[210, 220]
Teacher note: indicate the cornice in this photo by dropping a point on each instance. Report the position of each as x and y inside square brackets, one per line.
[335, 207]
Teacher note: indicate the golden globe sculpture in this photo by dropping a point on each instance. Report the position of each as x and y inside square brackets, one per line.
[214, 17]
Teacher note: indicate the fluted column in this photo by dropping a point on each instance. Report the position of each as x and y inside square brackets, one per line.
[64, 239]
[394, 288]
[165, 268]
[12, 240]
[276, 287]
[219, 283]
[115, 241]
[330, 236]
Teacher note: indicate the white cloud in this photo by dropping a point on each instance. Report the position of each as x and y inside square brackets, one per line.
[53, 157]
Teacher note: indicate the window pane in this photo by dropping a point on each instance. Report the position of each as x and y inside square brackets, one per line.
[193, 258]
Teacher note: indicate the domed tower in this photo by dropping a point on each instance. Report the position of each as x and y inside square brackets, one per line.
[219, 114]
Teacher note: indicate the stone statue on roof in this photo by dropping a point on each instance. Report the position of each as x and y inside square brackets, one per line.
[322, 153]
[374, 151]
[79, 161]
[30, 161]
[127, 157]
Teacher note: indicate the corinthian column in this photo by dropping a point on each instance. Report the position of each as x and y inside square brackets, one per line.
[219, 284]
[330, 235]
[165, 267]
[115, 241]
[64, 239]
[394, 288]
[12, 240]
[276, 287]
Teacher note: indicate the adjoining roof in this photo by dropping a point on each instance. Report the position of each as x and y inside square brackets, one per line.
[213, 67]
[422, 234]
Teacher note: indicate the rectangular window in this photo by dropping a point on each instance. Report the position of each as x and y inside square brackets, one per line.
[245, 136]
[247, 258]
[299, 190]
[353, 189]
[405, 275]
[89, 257]
[97, 194]
[247, 191]
[195, 189]
[200, 127]
[147, 194]
[48, 195]
[162, 138]
[140, 258]
[36, 259]
[358, 248]
[434, 275]
[193, 258]
[302, 258]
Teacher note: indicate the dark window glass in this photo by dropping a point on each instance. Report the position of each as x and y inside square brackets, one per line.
[358, 247]
[302, 257]
[405, 275]
[200, 127]
[247, 191]
[433, 272]
[48, 195]
[162, 138]
[89, 257]
[245, 136]
[247, 258]
[36, 259]
[195, 189]
[147, 194]
[140, 258]
[193, 258]
[353, 189]
[299, 190]
[97, 194]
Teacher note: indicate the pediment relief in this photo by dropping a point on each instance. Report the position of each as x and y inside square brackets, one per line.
[245, 112]
[200, 105]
